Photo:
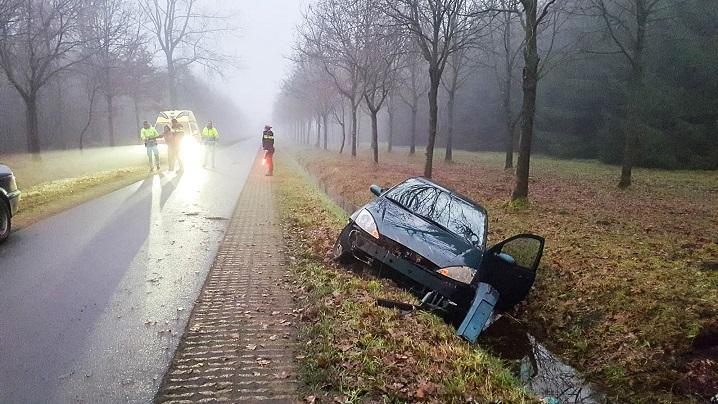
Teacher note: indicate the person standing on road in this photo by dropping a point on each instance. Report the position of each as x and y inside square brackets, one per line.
[149, 135]
[172, 146]
[210, 136]
[175, 150]
[268, 146]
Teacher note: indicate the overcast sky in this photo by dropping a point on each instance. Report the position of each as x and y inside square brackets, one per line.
[266, 35]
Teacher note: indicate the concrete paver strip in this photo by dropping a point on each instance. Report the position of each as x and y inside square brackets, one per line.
[239, 343]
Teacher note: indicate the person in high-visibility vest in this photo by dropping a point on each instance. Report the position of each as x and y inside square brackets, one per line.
[268, 146]
[210, 137]
[149, 135]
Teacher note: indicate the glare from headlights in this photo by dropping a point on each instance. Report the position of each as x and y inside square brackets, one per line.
[461, 274]
[366, 222]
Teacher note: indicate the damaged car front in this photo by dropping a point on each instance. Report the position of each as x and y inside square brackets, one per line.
[437, 239]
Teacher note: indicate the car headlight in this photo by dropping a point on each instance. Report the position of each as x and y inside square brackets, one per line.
[366, 222]
[461, 274]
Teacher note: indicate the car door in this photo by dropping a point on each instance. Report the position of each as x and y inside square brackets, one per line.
[510, 267]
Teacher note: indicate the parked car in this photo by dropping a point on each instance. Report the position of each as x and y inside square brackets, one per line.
[9, 200]
[437, 239]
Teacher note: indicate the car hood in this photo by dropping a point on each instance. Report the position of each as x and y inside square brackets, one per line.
[432, 242]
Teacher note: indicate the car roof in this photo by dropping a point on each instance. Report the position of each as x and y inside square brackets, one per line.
[446, 189]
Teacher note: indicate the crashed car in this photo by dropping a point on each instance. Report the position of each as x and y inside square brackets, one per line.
[436, 238]
[9, 198]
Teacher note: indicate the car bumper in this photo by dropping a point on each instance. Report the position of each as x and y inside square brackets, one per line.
[14, 199]
[458, 292]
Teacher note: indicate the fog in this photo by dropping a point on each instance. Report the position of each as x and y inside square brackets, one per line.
[264, 41]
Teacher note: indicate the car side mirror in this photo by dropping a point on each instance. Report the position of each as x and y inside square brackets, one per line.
[376, 190]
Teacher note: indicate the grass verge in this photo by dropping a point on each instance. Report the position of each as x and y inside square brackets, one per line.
[355, 351]
[49, 198]
[629, 279]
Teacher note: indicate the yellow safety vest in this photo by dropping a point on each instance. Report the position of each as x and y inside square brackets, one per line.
[150, 133]
[210, 133]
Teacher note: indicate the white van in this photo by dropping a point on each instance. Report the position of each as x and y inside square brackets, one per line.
[185, 117]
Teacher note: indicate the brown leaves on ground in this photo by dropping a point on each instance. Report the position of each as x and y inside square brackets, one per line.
[626, 279]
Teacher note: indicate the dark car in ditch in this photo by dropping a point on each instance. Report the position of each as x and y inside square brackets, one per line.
[9, 199]
[436, 238]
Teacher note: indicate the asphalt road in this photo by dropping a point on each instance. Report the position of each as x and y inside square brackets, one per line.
[93, 301]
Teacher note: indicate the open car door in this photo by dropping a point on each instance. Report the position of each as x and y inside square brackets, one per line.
[510, 267]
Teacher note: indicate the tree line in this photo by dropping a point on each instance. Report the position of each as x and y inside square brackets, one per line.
[629, 82]
[75, 73]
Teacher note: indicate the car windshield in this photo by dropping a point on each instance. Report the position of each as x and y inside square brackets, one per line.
[441, 207]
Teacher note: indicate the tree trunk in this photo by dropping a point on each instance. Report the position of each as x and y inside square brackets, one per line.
[433, 120]
[89, 119]
[308, 134]
[528, 109]
[508, 87]
[344, 138]
[172, 82]
[354, 129]
[32, 126]
[319, 131]
[412, 144]
[508, 122]
[450, 126]
[324, 119]
[636, 88]
[390, 111]
[110, 118]
[137, 115]
[375, 136]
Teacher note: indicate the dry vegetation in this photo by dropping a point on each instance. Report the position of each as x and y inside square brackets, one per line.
[355, 351]
[629, 278]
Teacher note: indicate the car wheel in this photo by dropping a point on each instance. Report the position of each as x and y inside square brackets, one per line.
[342, 251]
[5, 222]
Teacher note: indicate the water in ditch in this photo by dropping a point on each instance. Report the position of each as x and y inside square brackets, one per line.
[539, 370]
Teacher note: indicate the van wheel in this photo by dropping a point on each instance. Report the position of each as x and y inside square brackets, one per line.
[5, 222]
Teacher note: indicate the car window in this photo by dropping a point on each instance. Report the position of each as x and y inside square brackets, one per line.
[442, 207]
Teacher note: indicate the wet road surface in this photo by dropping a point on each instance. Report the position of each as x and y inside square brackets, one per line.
[93, 301]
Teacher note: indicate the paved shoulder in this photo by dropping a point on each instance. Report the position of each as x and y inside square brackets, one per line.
[239, 343]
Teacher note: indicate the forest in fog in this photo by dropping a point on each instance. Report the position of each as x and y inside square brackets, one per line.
[86, 73]
[608, 71]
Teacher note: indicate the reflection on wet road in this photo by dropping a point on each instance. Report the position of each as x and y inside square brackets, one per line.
[93, 300]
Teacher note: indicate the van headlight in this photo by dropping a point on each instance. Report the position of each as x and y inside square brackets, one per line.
[366, 222]
[461, 274]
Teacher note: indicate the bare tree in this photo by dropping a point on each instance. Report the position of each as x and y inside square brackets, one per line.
[627, 26]
[504, 50]
[391, 113]
[413, 86]
[332, 35]
[37, 43]
[380, 51]
[458, 72]
[532, 20]
[340, 117]
[186, 35]
[111, 34]
[440, 28]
